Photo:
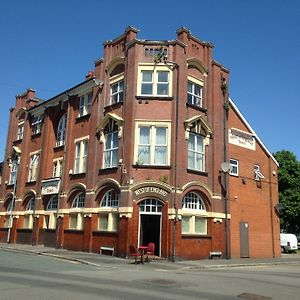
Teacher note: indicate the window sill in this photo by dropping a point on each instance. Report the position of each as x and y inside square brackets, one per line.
[77, 175]
[30, 182]
[195, 235]
[234, 175]
[197, 107]
[105, 232]
[59, 147]
[108, 170]
[201, 173]
[9, 185]
[151, 98]
[73, 230]
[35, 135]
[150, 167]
[83, 117]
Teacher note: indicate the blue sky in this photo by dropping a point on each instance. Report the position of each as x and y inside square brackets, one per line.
[51, 45]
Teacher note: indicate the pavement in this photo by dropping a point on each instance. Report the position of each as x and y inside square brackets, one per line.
[99, 260]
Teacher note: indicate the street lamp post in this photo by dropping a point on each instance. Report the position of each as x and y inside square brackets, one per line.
[13, 160]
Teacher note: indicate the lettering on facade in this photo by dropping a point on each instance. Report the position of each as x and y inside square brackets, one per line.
[50, 187]
[241, 139]
[151, 189]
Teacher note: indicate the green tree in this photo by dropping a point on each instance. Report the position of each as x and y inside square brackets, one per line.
[289, 190]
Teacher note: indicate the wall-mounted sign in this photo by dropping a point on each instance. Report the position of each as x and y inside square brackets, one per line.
[152, 191]
[241, 139]
[50, 186]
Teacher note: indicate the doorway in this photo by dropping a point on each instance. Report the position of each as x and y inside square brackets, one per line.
[150, 224]
[244, 239]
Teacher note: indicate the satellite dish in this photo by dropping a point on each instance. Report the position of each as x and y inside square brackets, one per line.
[225, 167]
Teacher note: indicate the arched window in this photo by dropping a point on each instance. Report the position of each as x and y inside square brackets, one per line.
[51, 213]
[52, 203]
[109, 213]
[30, 204]
[28, 215]
[194, 215]
[110, 199]
[76, 217]
[151, 206]
[61, 131]
[193, 201]
[78, 201]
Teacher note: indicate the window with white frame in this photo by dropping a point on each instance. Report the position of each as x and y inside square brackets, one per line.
[257, 173]
[61, 131]
[154, 81]
[33, 167]
[153, 144]
[85, 102]
[117, 91]
[37, 125]
[195, 91]
[111, 145]
[234, 167]
[151, 206]
[50, 214]
[196, 152]
[20, 130]
[76, 216]
[194, 215]
[28, 215]
[109, 214]
[57, 167]
[81, 151]
[13, 172]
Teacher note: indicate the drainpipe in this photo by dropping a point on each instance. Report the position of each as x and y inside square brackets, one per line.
[13, 158]
[175, 65]
[225, 187]
[271, 207]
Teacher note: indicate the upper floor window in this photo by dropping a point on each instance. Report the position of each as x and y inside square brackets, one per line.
[85, 102]
[78, 201]
[153, 144]
[117, 91]
[81, 151]
[110, 199]
[20, 130]
[154, 81]
[194, 215]
[61, 131]
[37, 125]
[195, 90]
[33, 167]
[13, 172]
[234, 167]
[111, 144]
[257, 173]
[196, 152]
[30, 204]
[57, 167]
[52, 203]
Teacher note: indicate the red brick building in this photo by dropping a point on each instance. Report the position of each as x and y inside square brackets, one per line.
[149, 148]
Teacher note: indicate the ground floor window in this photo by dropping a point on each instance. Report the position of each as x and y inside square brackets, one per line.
[108, 221]
[76, 221]
[28, 221]
[194, 225]
[50, 221]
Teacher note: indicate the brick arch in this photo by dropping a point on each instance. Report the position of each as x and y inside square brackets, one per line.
[114, 63]
[76, 188]
[196, 63]
[106, 184]
[29, 194]
[201, 189]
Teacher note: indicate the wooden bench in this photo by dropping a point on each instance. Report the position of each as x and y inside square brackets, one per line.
[213, 254]
[107, 250]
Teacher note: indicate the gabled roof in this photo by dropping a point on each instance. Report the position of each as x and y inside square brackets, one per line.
[240, 115]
